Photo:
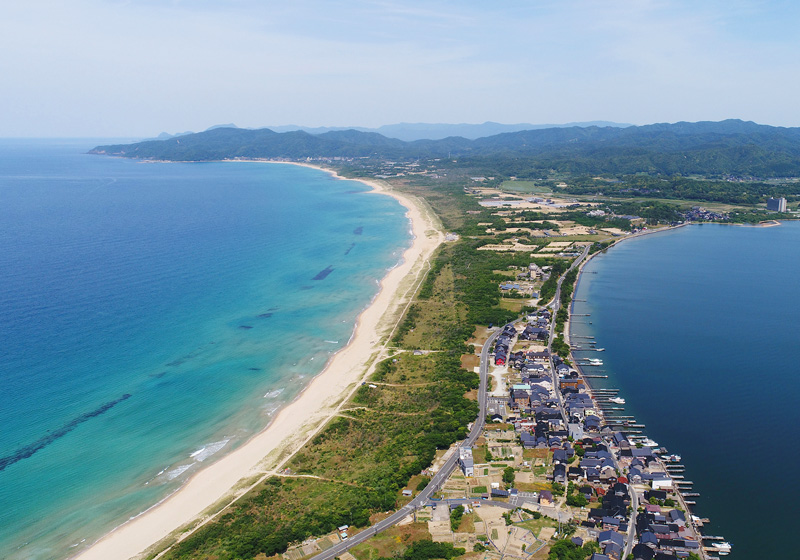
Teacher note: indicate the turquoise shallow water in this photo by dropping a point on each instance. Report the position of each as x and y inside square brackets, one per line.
[701, 338]
[153, 316]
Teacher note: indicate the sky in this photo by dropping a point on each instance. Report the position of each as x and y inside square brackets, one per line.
[135, 68]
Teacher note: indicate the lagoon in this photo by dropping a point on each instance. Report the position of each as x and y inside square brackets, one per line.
[700, 330]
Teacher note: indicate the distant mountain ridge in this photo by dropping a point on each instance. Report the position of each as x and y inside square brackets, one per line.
[726, 147]
[410, 132]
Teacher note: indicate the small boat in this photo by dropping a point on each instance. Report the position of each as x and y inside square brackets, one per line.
[600, 349]
[617, 400]
[722, 547]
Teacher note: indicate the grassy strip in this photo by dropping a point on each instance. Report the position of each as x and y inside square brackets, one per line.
[276, 514]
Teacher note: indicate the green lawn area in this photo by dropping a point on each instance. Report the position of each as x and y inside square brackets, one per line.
[525, 187]
[536, 525]
[391, 542]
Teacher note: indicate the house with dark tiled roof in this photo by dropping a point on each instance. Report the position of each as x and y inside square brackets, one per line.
[642, 552]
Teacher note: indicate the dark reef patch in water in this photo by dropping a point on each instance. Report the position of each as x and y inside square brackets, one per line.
[323, 274]
[245, 327]
[359, 230]
[350, 248]
[38, 445]
[265, 315]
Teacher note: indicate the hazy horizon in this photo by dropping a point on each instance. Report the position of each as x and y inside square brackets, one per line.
[133, 69]
[167, 133]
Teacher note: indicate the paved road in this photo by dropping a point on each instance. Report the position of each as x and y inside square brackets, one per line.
[631, 521]
[423, 498]
[556, 303]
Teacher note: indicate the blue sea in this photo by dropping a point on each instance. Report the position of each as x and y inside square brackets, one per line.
[153, 316]
[700, 330]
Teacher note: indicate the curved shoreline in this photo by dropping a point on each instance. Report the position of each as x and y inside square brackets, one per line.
[212, 489]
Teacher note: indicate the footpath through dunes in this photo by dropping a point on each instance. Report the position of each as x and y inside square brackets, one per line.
[297, 423]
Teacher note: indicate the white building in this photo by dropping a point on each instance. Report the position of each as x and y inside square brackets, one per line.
[776, 204]
[465, 460]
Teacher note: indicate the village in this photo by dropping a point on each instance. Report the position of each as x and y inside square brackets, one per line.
[549, 467]
[555, 461]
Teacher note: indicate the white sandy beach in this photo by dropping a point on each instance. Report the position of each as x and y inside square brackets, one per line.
[295, 424]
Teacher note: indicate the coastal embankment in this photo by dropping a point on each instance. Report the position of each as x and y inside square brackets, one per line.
[211, 490]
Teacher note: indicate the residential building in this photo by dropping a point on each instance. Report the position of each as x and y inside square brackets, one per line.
[776, 204]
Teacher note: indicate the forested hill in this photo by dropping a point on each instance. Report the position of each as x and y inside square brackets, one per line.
[707, 148]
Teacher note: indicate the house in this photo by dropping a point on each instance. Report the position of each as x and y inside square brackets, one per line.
[649, 538]
[407, 492]
[642, 552]
[560, 473]
[571, 383]
[660, 495]
[661, 483]
[528, 440]
[497, 493]
[465, 460]
[613, 550]
[678, 517]
[635, 475]
[606, 537]
[591, 423]
[546, 498]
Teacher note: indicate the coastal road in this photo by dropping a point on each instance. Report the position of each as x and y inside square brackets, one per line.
[422, 499]
[556, 303]
[632, 521]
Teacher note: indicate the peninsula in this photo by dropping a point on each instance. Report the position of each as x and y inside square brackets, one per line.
[462, 404]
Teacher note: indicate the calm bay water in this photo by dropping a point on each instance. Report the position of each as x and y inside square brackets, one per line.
[700, 330]
[153, 316]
